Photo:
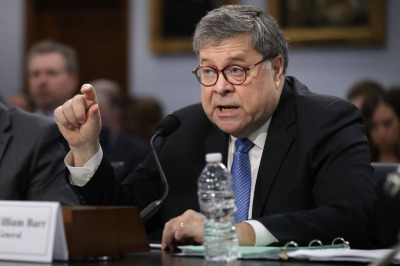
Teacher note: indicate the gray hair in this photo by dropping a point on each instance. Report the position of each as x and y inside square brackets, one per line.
[231, 20]
[69, 54]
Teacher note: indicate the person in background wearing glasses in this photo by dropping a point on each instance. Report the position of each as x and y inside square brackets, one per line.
[310, 172]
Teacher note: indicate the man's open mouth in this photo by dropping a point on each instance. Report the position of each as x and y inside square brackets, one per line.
[226, 109]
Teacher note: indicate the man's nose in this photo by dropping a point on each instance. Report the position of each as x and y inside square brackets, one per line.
[43, 78]
[223, 86]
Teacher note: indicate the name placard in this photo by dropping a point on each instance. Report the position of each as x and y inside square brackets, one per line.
[32, 231]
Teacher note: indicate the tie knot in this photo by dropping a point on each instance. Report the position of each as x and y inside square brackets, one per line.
[243, 145]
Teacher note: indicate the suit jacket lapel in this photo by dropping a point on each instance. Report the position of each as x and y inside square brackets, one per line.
[4, 124]
[279, 140]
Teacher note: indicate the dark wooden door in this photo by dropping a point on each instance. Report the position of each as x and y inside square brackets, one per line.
[97, 29]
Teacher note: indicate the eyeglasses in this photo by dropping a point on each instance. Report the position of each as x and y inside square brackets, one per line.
[234, 74]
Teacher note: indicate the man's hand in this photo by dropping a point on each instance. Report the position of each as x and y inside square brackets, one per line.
[186, 229]
[246, 234]
[79, 121]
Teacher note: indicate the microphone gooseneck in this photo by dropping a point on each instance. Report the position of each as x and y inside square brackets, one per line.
[165, 128]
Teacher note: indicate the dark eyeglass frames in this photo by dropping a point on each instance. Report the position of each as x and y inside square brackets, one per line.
[234, 74]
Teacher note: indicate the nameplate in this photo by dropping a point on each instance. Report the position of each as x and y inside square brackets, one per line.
[32, 231]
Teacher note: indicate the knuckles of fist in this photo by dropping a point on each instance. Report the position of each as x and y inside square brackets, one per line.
[73, 112]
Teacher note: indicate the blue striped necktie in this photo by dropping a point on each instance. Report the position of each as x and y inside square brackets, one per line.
[241, 173]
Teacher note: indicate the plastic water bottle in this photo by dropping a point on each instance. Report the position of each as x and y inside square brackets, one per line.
[217, 204]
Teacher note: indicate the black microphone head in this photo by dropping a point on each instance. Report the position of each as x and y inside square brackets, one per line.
[168, 125]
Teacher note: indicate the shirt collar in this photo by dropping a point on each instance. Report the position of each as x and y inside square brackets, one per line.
[258, 137]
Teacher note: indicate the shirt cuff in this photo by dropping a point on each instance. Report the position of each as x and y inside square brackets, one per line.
[79, 176]
[263, 236]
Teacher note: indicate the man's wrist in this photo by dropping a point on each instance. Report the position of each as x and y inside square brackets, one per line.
[81, 175]
[263, 236]
[82, 155]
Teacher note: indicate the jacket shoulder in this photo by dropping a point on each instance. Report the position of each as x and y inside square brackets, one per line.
[31, 120]
[29, 127]
[319, 106]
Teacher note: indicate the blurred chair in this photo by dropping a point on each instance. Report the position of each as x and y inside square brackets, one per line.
[121, 170]
[388, 206]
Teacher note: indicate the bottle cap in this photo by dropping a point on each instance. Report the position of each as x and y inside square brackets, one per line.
[213, 157]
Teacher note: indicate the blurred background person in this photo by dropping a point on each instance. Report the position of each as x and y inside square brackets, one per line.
[142, 116]
[52, 73]
[125, 151]
[361, 90]
[382, 121]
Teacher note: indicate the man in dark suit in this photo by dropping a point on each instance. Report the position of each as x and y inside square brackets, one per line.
[31, 158]
[310, 169]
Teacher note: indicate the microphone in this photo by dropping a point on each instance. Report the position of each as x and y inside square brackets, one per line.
[165, 128]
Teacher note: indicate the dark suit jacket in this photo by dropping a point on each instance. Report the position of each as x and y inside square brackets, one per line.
[32, 158]
[314, 180]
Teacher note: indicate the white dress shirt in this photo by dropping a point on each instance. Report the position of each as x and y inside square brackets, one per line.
[258, 137]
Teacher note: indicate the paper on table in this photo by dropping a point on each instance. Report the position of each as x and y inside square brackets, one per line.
[312, 254]
[245, 252]
[342, 255]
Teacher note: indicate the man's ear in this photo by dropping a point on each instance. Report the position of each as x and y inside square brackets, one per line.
[277, 67]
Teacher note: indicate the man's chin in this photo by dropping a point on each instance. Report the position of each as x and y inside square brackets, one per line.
[229, 128]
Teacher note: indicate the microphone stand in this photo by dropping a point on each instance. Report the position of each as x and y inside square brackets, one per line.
[149, 211]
